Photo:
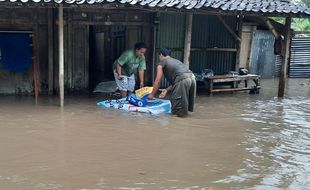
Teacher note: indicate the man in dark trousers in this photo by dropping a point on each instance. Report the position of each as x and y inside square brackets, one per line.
[182, 80]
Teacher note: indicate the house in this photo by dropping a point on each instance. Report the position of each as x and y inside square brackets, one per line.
[74, 42]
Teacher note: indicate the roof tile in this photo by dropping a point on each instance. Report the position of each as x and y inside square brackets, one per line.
[245, 6]
[200, 4]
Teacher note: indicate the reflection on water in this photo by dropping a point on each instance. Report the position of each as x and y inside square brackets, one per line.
[232, 141]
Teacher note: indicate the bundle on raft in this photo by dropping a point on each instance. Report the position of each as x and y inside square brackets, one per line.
[138, 102]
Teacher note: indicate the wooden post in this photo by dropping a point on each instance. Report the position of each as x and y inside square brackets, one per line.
[35, 63]
[69, 50]
[154, 52]
[238, 43]
[61, 54]
[36, 60]
[86, 60]
[188, 38]
[285, 61]
[50, 33]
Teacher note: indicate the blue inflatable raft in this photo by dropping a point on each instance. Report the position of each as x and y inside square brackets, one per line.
[156, 106]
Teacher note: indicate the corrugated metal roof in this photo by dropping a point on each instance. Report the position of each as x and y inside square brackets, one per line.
[249, 6]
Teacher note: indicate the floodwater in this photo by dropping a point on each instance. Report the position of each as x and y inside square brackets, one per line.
[232, 141]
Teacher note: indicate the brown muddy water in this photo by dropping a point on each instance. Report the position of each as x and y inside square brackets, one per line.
[231, 141]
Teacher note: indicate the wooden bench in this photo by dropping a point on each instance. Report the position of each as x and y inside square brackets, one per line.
[234, 81]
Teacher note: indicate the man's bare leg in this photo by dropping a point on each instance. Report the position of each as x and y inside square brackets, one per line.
[123, 94]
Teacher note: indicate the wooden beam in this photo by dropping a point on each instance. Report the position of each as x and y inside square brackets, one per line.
[234, 89]
[238, 43]
[69, 49]
[228, 28]
[285, 61]
[22, 22]
[188, 38]
[108, 23]
[61, 54]
[207, 49]
[154, 57]
[36, 60]
[271, 27]
[50, 45]
[86, 60]
[215, 49]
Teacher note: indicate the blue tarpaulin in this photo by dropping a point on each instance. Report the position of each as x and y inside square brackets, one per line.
[15, 51]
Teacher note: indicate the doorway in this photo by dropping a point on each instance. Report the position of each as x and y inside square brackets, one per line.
[106, 44]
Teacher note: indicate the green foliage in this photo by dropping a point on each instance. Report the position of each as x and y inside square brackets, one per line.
[307, 2]
[280, 20]
[298, 24]
[301, 24]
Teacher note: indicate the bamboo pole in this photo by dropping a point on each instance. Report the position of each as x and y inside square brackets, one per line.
[188, 38]
[285, 61]
[61, 54]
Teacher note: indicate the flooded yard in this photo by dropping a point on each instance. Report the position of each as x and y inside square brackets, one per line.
[231, 141]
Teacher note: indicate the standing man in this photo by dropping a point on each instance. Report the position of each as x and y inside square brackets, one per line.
[182, 80]
[125, 67]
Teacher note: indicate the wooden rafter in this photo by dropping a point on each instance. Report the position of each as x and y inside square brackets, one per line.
[228, 28]
[271, 28]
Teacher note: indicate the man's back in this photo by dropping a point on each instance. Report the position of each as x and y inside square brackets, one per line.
[172, 67]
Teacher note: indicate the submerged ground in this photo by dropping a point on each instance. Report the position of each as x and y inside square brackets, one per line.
[232, 141]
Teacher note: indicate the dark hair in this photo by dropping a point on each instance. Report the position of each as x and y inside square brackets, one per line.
[139, 45]
[165, 52]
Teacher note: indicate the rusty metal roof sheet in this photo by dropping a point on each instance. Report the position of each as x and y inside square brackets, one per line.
[246, 6]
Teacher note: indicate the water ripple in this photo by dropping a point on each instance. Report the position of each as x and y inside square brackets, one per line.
[279, 142]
